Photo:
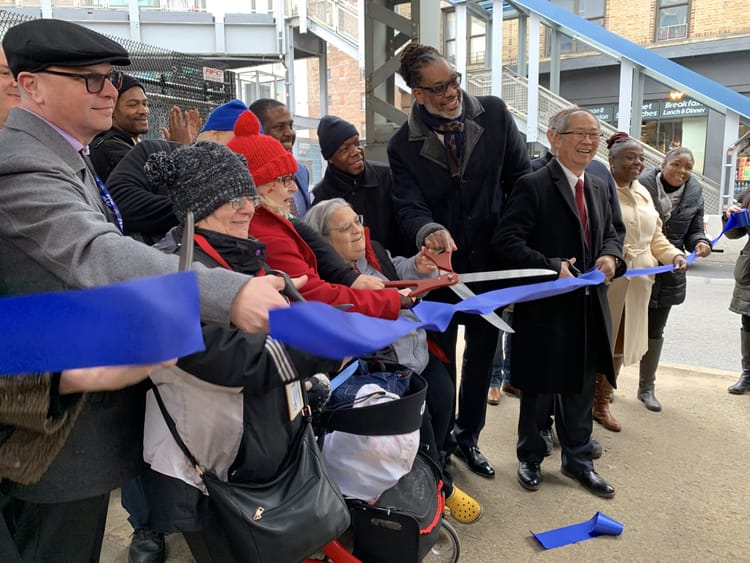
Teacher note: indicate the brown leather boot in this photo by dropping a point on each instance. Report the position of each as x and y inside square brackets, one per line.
[601, 412]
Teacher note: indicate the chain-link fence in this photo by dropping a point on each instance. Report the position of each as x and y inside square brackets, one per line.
[169, 78]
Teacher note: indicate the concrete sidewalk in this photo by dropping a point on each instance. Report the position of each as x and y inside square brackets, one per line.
[680, 475]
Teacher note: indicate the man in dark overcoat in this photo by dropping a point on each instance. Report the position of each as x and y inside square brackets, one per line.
[561, 342]
[452, 163]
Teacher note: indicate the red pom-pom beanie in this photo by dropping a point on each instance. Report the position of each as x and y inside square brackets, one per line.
[266, 158]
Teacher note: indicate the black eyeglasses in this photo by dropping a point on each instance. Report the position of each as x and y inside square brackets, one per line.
[240, 201]
[440, 89]
[581, 135]
[94, 80]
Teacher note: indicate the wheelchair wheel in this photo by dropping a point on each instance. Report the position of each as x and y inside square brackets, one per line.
[447, 548]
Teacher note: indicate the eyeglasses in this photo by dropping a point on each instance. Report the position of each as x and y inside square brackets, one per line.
[358, 221]
[440, 89]
[581, 135]
[288, 179]
[239, 202]
[94, 80]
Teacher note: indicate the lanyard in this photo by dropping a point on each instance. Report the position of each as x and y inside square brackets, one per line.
[210, 250]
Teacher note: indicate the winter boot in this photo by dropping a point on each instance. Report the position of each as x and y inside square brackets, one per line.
[601, 411]
[649, 363]
[743, 383]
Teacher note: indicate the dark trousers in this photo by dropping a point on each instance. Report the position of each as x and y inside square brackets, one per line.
[437, 420]
[133, 500]
[572, 421]
[480, 343]
[64, 532]
[657, 320]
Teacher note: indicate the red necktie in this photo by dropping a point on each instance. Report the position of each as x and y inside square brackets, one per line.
[581, 205]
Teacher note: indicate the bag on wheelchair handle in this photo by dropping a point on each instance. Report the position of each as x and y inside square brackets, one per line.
[283, 520]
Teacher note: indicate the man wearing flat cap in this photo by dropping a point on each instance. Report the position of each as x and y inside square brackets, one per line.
[129, 122]
[59, 229]
[364, 184]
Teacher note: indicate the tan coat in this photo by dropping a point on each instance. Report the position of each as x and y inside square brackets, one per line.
[645, 246]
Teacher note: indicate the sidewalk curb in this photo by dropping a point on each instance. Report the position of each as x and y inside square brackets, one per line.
[699, 370]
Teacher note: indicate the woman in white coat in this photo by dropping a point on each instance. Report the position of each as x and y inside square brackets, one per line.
[645, 246]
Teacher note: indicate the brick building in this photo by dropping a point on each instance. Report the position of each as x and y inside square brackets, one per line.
[711, 37]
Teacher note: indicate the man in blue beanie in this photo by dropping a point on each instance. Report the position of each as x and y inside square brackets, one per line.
[219, 126]
[365, 184]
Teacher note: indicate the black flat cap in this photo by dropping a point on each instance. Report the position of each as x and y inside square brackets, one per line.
[35, 45]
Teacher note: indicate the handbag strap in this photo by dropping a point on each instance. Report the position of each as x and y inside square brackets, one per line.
[173, 430]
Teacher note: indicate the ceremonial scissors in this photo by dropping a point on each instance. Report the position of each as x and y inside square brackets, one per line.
[448, 277]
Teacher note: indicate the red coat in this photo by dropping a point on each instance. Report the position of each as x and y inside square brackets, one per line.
[286, 251]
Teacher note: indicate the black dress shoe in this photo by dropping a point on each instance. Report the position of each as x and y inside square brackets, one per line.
[548, 442]
[529, 475]
[475, 460]
[146, 546]
[592, 481]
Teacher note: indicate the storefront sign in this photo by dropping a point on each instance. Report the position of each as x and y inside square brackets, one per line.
[683, 108]
[650, 110]
[603, 113]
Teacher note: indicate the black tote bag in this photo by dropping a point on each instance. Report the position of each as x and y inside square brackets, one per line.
[281, 521]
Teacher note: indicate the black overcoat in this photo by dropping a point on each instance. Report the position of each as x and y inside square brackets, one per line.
[554, 345]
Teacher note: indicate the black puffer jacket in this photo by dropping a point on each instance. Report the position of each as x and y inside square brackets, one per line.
[684, 229]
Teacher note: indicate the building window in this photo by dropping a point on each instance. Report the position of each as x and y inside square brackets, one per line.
[449, 36]
[672, 19]
[477, 41]
[591, 10]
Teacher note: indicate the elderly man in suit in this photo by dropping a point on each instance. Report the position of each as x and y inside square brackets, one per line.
[560, 218]
[60, 229]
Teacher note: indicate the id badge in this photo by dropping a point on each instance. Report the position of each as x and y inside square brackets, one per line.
[294, 400]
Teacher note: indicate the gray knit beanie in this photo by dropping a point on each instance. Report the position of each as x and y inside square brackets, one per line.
[200, 177]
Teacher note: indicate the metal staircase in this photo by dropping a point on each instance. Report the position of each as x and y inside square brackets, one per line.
[515, 95]
[336, 23]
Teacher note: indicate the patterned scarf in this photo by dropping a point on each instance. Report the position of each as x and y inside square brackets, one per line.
[453, 135]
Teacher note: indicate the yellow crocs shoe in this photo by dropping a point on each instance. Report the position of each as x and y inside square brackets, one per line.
[464, 508]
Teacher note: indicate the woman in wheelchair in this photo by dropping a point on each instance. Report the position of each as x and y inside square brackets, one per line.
[342, 227]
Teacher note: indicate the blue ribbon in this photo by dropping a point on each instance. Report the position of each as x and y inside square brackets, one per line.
[141, 321]
[738, 220]
[331, 333]
[599, 525]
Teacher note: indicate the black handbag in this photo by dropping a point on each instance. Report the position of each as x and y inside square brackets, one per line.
[281, 521]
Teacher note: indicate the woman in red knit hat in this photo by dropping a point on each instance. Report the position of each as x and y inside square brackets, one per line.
[273, 168]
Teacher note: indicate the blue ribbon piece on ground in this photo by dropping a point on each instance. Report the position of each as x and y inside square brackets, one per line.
[599, 525]
[141, 321]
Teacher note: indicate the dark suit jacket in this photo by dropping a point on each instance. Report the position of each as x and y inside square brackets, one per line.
[556, 341]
